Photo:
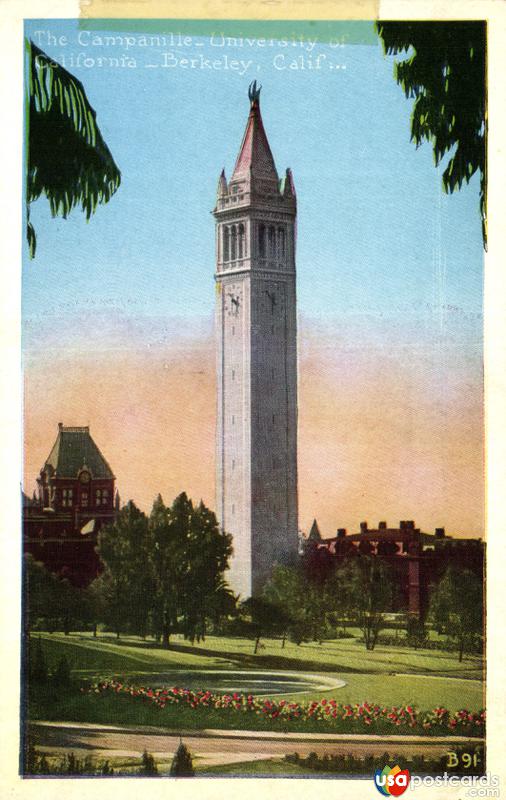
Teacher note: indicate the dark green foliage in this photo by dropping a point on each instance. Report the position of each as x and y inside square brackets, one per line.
[121, 595]
[189, 555]
[51, 602]
[182, 764]
[61, 675]
[348, 764]
[457, 607]
[265, 618]
[365, 589]
[68, 764]
[31, 760]
[298, 601]
[445, 74]
[38, 672]
[68, 160]
[43, 767]
[148, 766]
[416, 631]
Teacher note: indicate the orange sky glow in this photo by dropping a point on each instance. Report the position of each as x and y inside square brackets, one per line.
[386, 431]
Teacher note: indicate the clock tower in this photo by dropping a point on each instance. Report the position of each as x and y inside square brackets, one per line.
[256, 345]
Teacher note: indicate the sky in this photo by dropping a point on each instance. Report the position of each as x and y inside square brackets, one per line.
[118, 312]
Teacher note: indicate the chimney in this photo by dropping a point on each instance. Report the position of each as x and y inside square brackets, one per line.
[341, 532]
[363, 527]
[439, 533]
[410, 524]
[60, 426]
[402, 524]
[382, 526]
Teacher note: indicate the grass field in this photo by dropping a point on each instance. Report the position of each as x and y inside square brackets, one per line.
[387, 676]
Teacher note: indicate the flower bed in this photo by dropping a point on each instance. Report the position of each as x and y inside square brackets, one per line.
[332, 715]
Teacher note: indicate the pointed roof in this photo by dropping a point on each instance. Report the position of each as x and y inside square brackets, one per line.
[314, 533]
[255, 153]
[74, 449]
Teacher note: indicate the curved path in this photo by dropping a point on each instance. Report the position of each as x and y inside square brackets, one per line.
[213, 747]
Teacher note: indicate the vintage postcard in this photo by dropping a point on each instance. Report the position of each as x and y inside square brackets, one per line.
[254, 530]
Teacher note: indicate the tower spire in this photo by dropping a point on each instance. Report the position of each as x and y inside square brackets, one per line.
[255, 156]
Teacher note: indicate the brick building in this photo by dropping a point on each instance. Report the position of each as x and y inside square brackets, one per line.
[75, 498]
[418, 560]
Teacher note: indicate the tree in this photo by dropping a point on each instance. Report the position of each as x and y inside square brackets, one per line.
[189, 555]
[446, 76]
[182, 764]
[51, 598]
[68, 160]
[40, 593]
[457, 606]
[416, 631]
[207, 552]
[265, 618]
[300, 601]
[367, 587]
[167, 531]
[123, 589]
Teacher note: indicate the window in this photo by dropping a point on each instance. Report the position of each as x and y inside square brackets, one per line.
[281, 243]
[242, 241]
[84, 499]
[67, 496]
[272, 242]
[233, 244]
[261, 241]
[101, 497]
[226, 244]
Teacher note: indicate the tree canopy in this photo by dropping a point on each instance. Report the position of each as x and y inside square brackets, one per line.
[164, 573]
[445, 73]
[457, 606]
[68, 161]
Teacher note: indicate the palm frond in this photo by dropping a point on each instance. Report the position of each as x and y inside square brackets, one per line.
[68, 159]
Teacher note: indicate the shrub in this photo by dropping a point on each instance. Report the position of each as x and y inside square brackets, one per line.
[61, 675]
[37, 663]
[182, 764]
[148, 765]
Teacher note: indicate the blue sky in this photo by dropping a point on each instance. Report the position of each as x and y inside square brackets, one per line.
[118, 311]
[376, 234]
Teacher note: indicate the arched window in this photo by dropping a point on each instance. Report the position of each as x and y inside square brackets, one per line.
[233, 244]
[242, 241]
[272, 242]
[281, 243]
[261, 241]
[226, 244]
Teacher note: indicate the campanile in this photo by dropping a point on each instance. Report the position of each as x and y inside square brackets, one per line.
[256, 348]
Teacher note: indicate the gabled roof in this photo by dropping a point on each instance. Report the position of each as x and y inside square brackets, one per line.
[255, 152]
[74, 449]
[314, 533]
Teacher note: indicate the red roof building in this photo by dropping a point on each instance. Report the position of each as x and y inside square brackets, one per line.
[75, 499]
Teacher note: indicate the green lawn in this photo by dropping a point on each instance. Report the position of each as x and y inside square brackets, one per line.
[387, 676]
[90, 655]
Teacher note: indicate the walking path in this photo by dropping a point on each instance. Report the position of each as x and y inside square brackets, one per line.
[213, 747]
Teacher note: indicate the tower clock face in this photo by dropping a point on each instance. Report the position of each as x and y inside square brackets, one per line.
[233, 300]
